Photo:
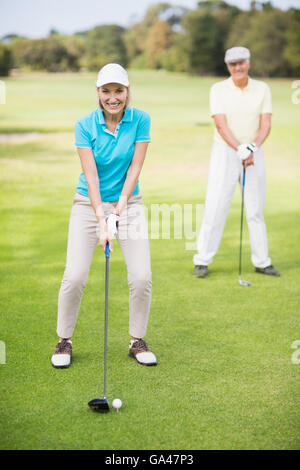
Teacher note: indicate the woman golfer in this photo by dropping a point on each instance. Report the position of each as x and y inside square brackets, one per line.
[111, 142]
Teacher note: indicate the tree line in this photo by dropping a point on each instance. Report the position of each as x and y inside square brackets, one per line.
[172, 38]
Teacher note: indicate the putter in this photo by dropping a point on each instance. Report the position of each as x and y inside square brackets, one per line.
[101, 404]
[241, 282]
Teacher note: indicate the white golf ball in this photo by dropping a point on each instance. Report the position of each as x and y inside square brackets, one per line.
[117, 403]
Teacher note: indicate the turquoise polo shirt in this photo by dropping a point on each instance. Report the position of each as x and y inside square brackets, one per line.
[112, 152]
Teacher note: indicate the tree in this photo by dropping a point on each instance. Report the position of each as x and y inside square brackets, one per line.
[143, 48]
[206, 30]
[105, 44]
[159, 39]
[136, 37]
[292, 49]
[264, 33]
[204, 42]
[7, 38]
[175, 58]
[173, 15]
[54, 54]
[53, 32]
[153, 13]
[267, 6]
[135, 40]
[214, 5]
[75, 48]
[5, 60]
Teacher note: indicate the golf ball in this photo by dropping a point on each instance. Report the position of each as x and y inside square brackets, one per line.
[117, 403]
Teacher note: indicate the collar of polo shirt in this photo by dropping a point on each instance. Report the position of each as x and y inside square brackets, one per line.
[233, 85]
[126, 118]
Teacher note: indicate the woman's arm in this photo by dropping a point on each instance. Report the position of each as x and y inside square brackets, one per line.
[133, 174]
[91, 176]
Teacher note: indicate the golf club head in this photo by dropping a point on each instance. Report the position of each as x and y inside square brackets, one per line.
[99, 404]
[244, 283]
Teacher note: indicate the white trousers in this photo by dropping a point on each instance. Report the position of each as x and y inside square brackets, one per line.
[225, 171]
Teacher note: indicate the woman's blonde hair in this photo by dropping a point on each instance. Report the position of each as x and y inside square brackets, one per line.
[128, 99]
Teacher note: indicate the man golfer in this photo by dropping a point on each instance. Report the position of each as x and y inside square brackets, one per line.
[241, 108]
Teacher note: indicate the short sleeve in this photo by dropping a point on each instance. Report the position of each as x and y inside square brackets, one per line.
[215, 101]
[143, 129]
[82, 137]
[267, 101]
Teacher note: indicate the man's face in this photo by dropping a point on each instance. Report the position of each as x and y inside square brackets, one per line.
[239, 70]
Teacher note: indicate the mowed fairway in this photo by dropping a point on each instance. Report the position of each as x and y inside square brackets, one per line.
[225, 378]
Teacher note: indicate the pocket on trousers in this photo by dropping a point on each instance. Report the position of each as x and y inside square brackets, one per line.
[80, 198]
[136, 199]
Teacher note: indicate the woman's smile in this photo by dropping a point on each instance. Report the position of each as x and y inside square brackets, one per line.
[113, 97]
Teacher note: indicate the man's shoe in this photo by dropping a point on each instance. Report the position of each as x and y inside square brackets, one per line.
[62, 356]
[200, 271]
[268, 271]
[139, 350]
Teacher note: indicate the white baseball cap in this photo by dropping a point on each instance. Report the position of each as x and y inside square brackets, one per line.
[236, 53]
[112, 73]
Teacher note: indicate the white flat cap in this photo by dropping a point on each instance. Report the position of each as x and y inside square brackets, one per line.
[236, 53]
[112, 73]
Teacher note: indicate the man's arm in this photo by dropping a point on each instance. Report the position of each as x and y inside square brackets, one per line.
[228, 137]
[226, 134]
[264, 131]
[264, 128]
[224, 131]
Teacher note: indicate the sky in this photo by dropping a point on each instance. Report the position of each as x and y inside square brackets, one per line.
[35, 18]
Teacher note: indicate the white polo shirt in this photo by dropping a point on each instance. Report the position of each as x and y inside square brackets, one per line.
[242, 107]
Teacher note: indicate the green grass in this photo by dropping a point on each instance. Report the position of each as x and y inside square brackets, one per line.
[225, 379]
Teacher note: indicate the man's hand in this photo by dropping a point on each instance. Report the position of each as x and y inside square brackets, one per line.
[249, 161]
[245, 150]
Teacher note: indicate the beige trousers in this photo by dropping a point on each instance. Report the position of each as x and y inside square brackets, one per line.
[82, 241]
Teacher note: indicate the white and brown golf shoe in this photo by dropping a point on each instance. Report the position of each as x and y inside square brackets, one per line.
[62, 356]
[139, 350]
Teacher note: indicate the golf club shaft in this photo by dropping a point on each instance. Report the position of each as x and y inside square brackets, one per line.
[106, 314]
[242, 217]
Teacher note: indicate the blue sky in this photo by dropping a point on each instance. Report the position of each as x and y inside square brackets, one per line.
[34, 18]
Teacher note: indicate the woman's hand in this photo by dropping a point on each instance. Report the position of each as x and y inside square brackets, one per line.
[104, 236]
[108, 228]
[112, 221]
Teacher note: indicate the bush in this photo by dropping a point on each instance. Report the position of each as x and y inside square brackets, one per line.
[54, 54]
[174, 60]
[139, 62]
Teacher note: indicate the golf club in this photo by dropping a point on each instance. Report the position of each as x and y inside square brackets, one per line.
[241, 282]
[101, 404]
